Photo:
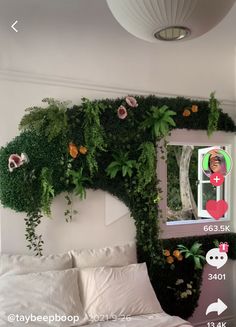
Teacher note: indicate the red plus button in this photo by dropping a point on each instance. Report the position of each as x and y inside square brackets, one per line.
[217, 179]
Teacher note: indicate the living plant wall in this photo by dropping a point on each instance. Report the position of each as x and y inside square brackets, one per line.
[111, 145]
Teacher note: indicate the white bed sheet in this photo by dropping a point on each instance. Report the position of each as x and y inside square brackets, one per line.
[151, 320]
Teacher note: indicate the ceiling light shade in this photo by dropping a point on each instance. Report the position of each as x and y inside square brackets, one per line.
[169, 20]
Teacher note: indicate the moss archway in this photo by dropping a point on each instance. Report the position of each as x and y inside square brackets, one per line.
[109, 145]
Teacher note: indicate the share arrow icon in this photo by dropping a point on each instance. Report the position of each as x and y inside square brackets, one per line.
[218, 307]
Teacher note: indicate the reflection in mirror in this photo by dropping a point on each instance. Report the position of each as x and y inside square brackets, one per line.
[188, 188]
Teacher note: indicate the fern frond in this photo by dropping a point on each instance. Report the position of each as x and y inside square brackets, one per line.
[94, 134]
[51, 121]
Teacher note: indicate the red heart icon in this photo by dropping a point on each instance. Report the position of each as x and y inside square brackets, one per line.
[216, 209]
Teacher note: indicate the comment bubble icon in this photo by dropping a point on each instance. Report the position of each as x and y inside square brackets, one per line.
[216, 258]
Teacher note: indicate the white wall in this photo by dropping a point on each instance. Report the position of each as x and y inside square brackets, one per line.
[90, 228]
[78, 42]
[74, 48]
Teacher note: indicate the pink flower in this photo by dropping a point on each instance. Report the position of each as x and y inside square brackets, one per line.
[16, 161]
[122, 112]
[131, 101]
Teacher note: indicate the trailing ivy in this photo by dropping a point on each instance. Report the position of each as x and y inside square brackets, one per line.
[214, 114]
[146, 165]
[35, 241]
[101, 145]
[69, 212]
[47, 191]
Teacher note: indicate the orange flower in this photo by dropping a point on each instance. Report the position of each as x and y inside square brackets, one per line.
[186, 113]
[176, 253]
[83, 149]
[166, 253]
[180, 257]
[170, 259]
[194, 108]
[73, 150]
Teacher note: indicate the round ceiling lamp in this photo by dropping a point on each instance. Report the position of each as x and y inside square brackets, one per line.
[169, 20]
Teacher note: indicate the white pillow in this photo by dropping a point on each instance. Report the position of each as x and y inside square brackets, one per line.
[109, 293]
[11, 264]
[46, 294]
[114, 256]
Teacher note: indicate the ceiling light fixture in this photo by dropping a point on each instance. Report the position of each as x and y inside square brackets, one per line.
[169, 20]
[172, 33]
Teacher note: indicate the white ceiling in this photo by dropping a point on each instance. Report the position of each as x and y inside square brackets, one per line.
[55, 35]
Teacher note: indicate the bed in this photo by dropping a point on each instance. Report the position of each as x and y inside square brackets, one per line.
[94, 287]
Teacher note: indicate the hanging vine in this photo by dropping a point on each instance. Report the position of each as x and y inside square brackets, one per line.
[214, 114]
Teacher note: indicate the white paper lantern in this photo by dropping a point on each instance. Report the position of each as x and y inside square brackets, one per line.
[169, 20]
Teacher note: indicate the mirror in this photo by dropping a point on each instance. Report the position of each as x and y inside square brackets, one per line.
[188, 187]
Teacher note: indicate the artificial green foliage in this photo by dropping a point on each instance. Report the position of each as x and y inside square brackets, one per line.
[94, 135]
[121, 164]
[165, 278]
[208, 242]
[51, 121]
[69, 212]
[159, 121]
[35, 241]
[79, 180]
[172, 282]
[195, 253]
[47, 190]
[214, 114]
[146, 165]
[96, 125]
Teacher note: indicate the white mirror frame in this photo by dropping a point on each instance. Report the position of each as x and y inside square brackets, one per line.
[196, 227]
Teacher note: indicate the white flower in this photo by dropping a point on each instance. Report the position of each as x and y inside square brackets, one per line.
[183, 295]
[179, 281]
[24, 158]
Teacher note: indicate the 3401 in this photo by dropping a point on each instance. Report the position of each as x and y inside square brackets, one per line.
[216, 277]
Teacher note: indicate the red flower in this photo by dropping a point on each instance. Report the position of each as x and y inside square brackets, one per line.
[122, 112]
[131, 101]
[16, 161]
